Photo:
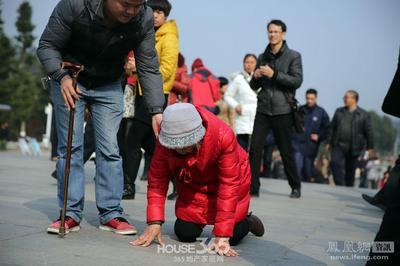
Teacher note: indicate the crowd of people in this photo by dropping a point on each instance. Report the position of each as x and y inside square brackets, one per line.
[169, 116]
[239, 101]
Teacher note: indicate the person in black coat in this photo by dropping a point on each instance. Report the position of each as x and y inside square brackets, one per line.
[350, 134]
[391, 102]
[389, 196]
[316, 128]
[279, 74]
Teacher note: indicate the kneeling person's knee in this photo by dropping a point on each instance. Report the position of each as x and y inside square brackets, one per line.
[187, 231]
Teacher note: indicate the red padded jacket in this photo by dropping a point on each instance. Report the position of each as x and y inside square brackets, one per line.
[213, 184]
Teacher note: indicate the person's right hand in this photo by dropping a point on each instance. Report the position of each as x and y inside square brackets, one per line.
[238, 110]
[130, 65]
[152, 232]
[68, 92]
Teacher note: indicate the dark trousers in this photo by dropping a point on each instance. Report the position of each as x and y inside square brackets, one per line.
[189, 232]
[243, 140]
[88, 143]
[140, 135]
[305, 166]
[390, 229]
[389, 195]
[281, 126]
[122, 138]
[53, 136]
[122, 135]
[343, 167]
[267, 160]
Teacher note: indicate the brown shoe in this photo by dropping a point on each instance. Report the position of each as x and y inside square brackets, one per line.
[256, 225]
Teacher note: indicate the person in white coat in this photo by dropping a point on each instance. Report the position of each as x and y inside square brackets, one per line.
[243, 99]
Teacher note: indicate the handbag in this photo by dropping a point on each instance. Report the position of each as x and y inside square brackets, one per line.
[297, 113]
[129, 101]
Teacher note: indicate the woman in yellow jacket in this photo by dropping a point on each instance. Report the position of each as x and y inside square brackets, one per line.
[140, 134]
[167, 44]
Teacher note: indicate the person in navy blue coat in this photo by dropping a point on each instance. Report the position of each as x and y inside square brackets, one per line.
[306, 144]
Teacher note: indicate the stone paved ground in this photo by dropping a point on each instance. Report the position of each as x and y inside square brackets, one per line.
[299, 232]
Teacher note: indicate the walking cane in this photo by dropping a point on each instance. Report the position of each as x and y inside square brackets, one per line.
[74, 72]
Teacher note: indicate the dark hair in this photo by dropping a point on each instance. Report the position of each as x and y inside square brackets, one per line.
[312, 91]
[181, 60]
[248, 56]
[223, 81]
[355, 94]
[162, 5]
[279, 23]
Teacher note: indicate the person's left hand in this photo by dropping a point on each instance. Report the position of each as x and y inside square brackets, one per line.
[267, 71]
[156, 123]
[314, 137]
[222, 247]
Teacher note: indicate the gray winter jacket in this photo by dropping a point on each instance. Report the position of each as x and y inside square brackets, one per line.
[288, 76]
[77, 32]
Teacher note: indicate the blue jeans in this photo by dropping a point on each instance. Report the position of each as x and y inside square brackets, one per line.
[106, 104]
[305, 166]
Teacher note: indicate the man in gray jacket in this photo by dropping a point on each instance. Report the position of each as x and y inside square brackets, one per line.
[279, 73]
[98, 34]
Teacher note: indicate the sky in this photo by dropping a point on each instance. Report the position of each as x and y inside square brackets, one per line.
[345, 44]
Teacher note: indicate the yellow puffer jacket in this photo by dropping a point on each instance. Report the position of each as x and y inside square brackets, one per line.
[167, 47]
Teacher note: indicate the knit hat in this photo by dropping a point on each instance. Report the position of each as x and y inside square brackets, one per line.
[181, 127]
[197, 63]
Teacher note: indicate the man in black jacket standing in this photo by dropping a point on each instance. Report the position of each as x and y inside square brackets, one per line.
[279, 73]
[98, 34]
[351, 133]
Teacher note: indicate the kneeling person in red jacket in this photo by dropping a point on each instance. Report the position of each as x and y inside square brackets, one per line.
[213, 180]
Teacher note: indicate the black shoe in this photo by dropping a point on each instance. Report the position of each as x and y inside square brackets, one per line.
[256, 225]
[296, 194]
[54, 174]
[373, 201]
[172, 196]
[129, 192]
